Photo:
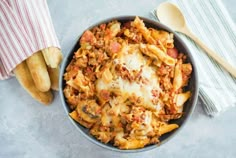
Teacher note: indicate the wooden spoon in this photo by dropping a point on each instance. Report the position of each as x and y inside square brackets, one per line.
[170, 15]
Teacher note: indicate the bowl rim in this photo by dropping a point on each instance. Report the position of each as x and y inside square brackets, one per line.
[195, 91]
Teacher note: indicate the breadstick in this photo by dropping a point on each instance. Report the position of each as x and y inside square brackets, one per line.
[52, 56]
[24, 77]
[54, 77]
[38, 70]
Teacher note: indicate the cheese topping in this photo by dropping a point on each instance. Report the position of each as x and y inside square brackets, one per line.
[132, 59]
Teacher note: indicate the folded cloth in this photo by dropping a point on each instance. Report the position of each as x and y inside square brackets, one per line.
[210, 21]
[26, 27]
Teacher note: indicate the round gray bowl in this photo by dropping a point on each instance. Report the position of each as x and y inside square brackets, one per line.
[189, 105]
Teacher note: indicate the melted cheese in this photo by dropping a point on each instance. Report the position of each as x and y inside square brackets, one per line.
[132, 59]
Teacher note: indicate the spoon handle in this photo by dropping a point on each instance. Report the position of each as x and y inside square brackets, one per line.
[231, 69]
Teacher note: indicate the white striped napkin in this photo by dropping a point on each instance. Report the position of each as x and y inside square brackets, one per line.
[25, 28]
[210, 21]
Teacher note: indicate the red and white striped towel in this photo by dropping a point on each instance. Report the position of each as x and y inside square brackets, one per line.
[25, 28]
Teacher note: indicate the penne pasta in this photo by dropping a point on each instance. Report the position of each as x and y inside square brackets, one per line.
[178, 79]
[182, 98]
[138, 23]
[167, 128]
[161, 55]
[76, 117]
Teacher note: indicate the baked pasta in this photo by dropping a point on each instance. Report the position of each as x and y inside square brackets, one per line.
[126, 82]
